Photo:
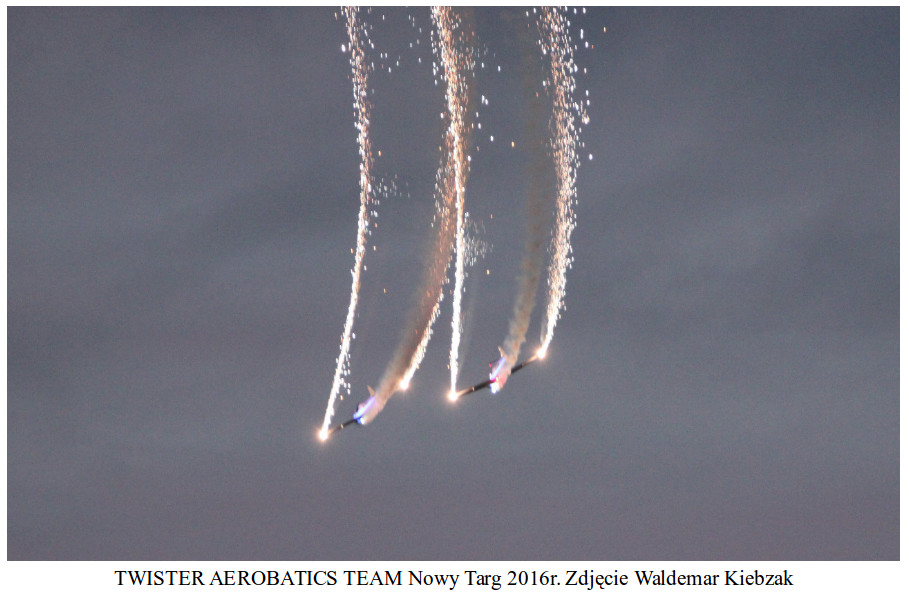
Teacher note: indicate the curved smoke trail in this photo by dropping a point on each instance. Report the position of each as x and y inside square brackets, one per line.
[360, 75]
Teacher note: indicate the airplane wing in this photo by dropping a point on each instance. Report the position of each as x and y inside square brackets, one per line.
[523, 363]
[341, 426]
[474, 388]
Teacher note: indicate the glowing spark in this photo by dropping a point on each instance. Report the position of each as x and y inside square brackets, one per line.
[360, 77]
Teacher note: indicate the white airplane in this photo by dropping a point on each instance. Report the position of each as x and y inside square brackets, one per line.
[499, 373]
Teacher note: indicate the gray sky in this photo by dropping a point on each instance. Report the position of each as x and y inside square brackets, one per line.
[182, 198]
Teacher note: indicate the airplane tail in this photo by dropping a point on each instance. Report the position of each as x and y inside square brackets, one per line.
[372, 393]
[494, 362]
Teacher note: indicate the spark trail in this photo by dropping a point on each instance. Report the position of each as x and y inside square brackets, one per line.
[564, 128]
[360, 76]
[456, 65]
[449, 221]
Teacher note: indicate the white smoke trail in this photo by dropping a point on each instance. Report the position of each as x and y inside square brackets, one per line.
[360, 75]
[564, 128]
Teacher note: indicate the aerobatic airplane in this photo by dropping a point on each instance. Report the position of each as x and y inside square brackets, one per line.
[364, 414]
[498, 375]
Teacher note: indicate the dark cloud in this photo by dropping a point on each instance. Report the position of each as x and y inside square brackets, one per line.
[182, 196]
